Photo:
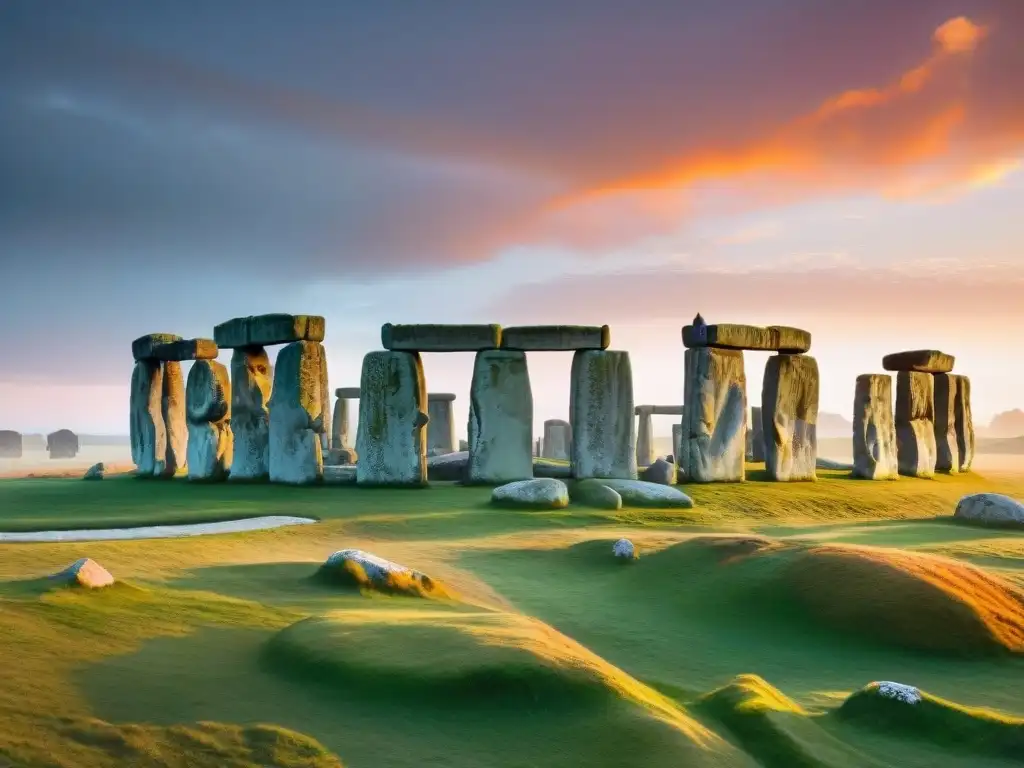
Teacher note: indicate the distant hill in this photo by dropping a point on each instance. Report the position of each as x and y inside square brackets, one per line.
[1006, 424]
[833, 425]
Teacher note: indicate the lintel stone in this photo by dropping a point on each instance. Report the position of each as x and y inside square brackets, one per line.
[919, 361]
[186, 349]
[774, 338]
[555, 338]
[441, 396]
[268, 330]
[347, 393]
[142, 347]
[439, 338]
[658, 410]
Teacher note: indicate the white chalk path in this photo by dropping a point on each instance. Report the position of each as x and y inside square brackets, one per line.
[158, 531]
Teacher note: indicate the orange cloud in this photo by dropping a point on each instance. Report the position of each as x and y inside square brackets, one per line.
[876, 138]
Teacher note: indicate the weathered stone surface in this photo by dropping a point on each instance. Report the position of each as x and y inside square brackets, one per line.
[146, 421]
[392, 436]
[993, 509]
[555, 337]
[661, 472]
[874, 430]
[354, 566]
[659, 410]
[644, 439]
[296, 414]
[250, 417]
[756, 434]
[677, 440]
[964, 423]
[789, 408]
[84, 573]
[95, 472]
[186, 349]
[441, 427]
[448, 467]
[325, 404]
[500, 418]
[464, 445]
[208, 407]
[268, 330]
[11, 446]
[947, 453]
[594, 493]
[440, 338]
[172, 409]
[713, 440]
[344, 474]
[542, 493]
[62, 444]
[604, 432]
[775, 338]
[347, 393]
[340, 456]
[919, 360]
[143, 347]
[915, 424]
[340, 435]
[623, 549]
[639, 493]
[557, 439]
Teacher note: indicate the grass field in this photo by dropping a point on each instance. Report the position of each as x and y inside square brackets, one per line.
[744, 635]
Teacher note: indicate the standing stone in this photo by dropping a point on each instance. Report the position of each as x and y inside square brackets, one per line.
[789, 414]
[62, 444]
[296, 414]
[250, 418]
[172, 409]
[677, 439]
[757, 435]
[146, 421]
[915, 423]
[603, 425]
[947, 452]
[964, 423]
[325, 405]
[208, 407]
[713, 437]
[874, 431]
[340, 425]
[441, 427]
[10, 444]
[557, 441]
[391, 439]
[644, 438]
[500, 418]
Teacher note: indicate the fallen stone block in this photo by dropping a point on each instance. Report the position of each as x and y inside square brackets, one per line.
[638, 493]
[920, 361]
[448, 467]
[340, 475]
[500, 418]
[269, 330]
[594, 493]
[915, 424]
[555, 338]
[789, 407]
[874, 430]
[186, 349]
[391, 439]
[992, 509]
[775, 338]
[713, 436]
[542, 493]
[144, 346]
[354, 567]
[601, 404]
[440, 338]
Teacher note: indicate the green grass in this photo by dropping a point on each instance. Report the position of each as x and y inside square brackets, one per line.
[227, 651]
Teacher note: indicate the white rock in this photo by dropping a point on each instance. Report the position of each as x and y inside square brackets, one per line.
[640, 493]
[624, 549]
[544, 492]
[991, 509]
[95, 472]
[250, 419]
[296, 414]
[500, 418]
[602, 415]
[85, 573]
[908, 694]
[377, 569]
[391, 440]
[714, 435]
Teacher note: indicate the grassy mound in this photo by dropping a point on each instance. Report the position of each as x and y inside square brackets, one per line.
[941, 722]
[915, 601]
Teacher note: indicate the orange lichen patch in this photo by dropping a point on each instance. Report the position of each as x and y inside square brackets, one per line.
[917, 601]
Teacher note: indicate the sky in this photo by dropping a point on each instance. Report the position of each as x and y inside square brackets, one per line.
[852, 167]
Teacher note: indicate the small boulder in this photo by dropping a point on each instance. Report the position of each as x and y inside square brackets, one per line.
[661, 472]
[639, 493]
[95, 472]
[907, 694]
[354, 567]
[992, 509]
[541, 493]
[624, 550]
[594, 493]
[84, 573]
